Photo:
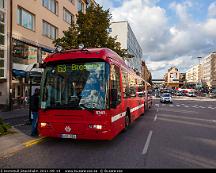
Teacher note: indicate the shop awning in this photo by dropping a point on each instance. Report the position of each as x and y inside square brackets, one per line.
[19, 73]
[47, 50]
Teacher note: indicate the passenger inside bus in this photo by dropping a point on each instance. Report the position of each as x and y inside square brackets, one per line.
[93, 94]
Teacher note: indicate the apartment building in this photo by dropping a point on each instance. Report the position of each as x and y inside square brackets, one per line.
[128, 41]
[145, 73]
[3, 50]
[209, 70]
[27, 31]
[193, 75]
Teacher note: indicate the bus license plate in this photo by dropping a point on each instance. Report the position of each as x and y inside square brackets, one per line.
[70, 136]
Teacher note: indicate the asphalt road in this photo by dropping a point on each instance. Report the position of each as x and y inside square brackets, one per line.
[178, 135]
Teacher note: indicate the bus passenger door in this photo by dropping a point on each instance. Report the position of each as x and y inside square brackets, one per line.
[117, 114]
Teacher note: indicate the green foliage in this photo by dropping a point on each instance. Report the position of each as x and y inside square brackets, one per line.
[4, 127]
[91, 29]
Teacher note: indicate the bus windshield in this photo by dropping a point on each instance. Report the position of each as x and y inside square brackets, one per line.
[75, 86]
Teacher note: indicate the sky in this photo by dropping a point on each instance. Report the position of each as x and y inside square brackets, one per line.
[170, 32]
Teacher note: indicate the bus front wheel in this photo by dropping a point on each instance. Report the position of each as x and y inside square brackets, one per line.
[127, 121]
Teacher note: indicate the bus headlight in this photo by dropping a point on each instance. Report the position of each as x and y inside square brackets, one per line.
[98, 127]
[43, 124]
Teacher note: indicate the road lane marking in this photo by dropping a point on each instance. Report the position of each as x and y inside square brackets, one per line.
[185, 122]
[33, 142]
[155, 118]
[145, 149]
[156, 105]
[187, 118]
[181, 111]
[211, 108]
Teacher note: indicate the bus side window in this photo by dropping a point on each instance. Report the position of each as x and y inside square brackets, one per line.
[132, 85]
[125, 85]
[115, 86]
[141, 88]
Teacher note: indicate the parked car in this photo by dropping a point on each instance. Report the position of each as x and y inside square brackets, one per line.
[212, 94]
[179, 93]
[166, 98]
[191, 94]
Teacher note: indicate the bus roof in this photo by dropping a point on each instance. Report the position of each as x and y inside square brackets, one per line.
[100, 53]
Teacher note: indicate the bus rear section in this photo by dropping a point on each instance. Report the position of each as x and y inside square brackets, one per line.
[91, 98]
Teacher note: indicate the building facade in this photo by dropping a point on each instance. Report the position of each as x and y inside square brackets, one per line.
[193, 75]
[172, 78]
[209, 70]
[145, 73]
[128, 41]
[29, 31]
[3, 51]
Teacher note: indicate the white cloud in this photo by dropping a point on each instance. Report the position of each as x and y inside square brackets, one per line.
[212, 9]
[166, 44]
[210, 27]
[181, 11]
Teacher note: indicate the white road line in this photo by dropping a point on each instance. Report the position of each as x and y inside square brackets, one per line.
[157, 105]
[171, 105]
[186, 118]
[178, 105]
[155, 118]
[145, 149]
[202, 107]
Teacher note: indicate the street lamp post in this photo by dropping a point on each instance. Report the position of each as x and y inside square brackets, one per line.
[199, 73]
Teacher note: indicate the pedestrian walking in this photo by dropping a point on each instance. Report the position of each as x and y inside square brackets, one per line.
[34, 110]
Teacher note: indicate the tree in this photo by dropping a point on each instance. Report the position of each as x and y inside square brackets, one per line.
[91, 29]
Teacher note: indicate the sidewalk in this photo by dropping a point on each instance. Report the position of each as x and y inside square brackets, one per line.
[11, 143]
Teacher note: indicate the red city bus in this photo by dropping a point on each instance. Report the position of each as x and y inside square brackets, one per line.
[89, 94]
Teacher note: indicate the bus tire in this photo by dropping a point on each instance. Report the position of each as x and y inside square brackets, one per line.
[146, 106]
[143, 110]
[127, 120]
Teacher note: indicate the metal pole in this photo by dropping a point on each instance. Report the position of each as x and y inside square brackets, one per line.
[30, 100]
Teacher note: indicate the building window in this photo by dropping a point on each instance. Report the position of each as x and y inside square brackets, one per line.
[72, 1]
[2, 63]
[2, 29]
[68, 17]
[1, 3]
[49, 30]
[80, 6]
[25, 19]
[51, 5]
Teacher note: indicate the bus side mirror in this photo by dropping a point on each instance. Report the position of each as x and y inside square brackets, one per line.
[114, 98]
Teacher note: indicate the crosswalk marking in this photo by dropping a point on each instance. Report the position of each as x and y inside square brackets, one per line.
[187, 106]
